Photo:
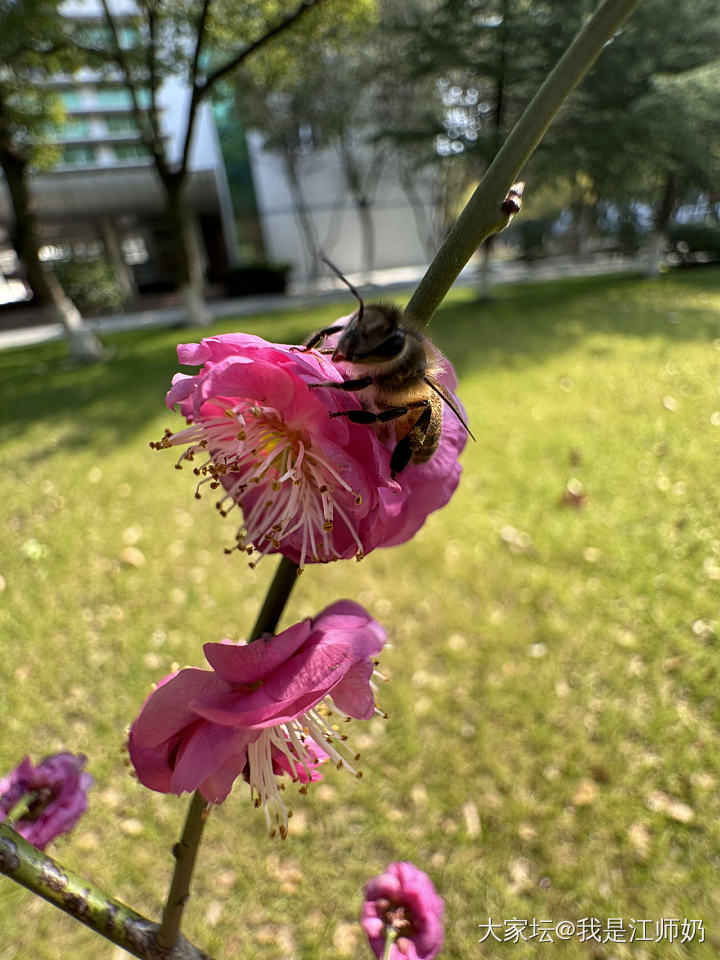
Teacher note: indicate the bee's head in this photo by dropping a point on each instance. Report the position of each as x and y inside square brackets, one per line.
[373, 335]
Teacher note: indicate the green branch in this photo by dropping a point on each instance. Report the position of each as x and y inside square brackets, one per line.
[390, 938]
[185, 853]
[81, 899]
[277, 596]
[483, 214]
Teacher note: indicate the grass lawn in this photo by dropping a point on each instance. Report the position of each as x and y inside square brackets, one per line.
[552, 750]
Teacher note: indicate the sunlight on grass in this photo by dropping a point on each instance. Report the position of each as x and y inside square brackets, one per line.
[552, 747]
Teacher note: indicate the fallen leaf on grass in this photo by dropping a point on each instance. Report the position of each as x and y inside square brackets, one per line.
[132, 827]
[520, 870]
[527, 832]
[213, 913]
[574, 495]
[345, 939]
[517, 540]
[132, 557]
[472, 818]
[585, 793]
[660, 802]
[639, 837]
[672, 663]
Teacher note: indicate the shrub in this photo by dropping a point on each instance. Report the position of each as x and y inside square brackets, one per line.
[91, 285]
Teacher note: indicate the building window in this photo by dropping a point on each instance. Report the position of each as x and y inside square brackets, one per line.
[75, 128]
[93, 36]
[100, 36]
[128, 37]
[72, 99]
[78, 156]
[114, 97]
[120, 123]
[131, 151]
[120, 98]
[134, 250]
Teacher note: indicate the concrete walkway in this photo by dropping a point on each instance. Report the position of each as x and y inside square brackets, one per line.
[503, 272]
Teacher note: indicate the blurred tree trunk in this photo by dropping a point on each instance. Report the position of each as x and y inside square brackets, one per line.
[186, 254]
[113, 251]
[302, 215]
[484, 272]
[658, 235]
[84, 345]
[425, 232]
[361, 189]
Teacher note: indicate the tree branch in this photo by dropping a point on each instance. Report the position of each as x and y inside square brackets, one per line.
[201, 89]
[148, 135]
[152, 46]
[185, 854]
[202, 20]
[195, 90]
[226, 68]
[483, 215]
[81, 899]
[277, 596]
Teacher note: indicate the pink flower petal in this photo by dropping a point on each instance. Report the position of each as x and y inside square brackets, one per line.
[57, 792]
[248, 663]
[400, 895]
[353, 695]
[167, 709]
[204, 753]
[199, 729]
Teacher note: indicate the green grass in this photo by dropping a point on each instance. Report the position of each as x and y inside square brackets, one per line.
[552, 748]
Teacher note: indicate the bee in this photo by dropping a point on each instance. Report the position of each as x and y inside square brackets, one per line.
[394, 371]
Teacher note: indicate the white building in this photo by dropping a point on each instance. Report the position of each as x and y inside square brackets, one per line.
[335, 221]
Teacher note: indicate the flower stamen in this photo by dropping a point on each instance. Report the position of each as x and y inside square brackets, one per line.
[293, 740]
[297, 488]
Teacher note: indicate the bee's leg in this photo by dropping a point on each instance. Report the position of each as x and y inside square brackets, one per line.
[405, 448]
[318, 337]
[350, 385]
[367, 416]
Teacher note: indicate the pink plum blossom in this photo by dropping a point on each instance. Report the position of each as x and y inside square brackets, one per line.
[310, 486]
[258, 713]
[57, 791]
[404, 903]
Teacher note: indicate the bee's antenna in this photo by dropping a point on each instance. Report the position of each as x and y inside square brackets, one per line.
[347, 284]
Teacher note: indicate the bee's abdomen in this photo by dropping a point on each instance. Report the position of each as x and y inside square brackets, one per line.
[422, 436]
[424, 443]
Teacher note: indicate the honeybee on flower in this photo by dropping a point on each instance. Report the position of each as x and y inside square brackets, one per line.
[311, 484]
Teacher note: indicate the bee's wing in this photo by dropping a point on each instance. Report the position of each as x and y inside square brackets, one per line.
[447, 397]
